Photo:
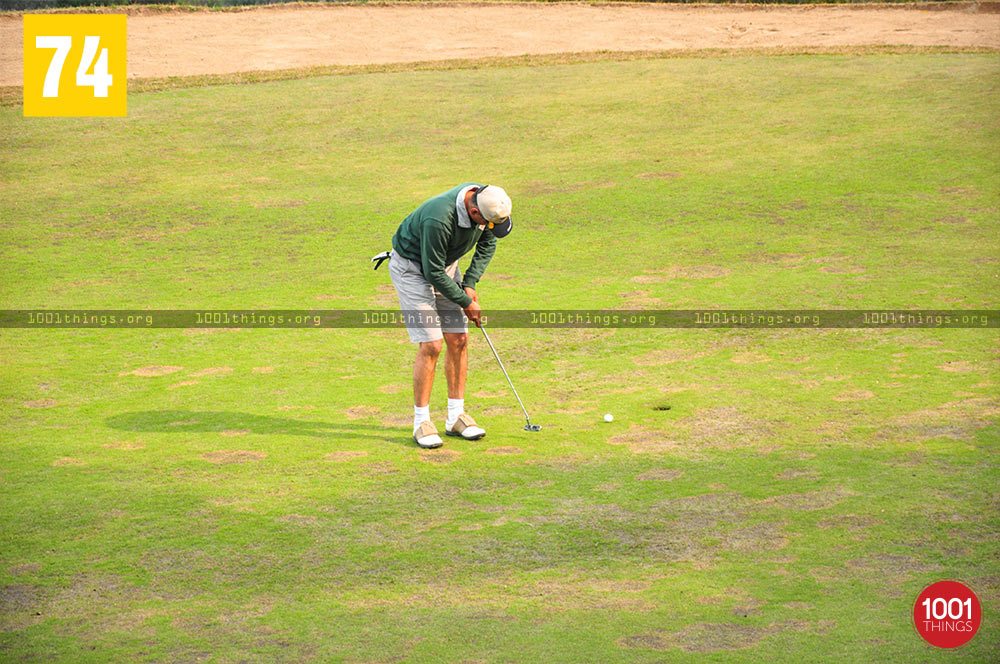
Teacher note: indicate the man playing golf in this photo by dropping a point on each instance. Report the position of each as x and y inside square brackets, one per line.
[433, 294]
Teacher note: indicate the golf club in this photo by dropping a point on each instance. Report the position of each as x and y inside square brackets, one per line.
[529, 426]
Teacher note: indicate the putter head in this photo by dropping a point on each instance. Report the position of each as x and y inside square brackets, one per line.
[532, 427]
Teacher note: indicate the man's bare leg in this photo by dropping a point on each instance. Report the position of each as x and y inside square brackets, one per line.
[423, 372]
[455, 368]
[456, 363]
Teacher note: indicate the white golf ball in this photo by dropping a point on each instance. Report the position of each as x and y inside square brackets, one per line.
[609, 417]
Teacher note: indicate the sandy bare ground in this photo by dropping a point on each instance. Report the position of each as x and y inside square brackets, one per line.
[204, 42]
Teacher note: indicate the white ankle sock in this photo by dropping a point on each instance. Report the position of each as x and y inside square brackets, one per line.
[455, 408]
[420, 414]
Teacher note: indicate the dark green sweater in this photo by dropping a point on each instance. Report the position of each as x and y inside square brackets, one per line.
[431, 236]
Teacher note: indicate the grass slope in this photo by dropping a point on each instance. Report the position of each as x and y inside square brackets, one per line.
[258, 498]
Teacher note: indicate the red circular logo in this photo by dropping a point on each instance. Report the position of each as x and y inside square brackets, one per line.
[947, 614]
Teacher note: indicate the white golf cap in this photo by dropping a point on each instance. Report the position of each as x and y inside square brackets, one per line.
[495, 206]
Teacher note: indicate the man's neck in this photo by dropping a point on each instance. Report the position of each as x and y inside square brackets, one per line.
[468, 206]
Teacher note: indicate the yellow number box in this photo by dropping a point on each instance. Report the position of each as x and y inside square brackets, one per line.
[74, 65]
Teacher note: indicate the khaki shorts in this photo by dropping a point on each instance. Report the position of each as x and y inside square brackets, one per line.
[427, 312]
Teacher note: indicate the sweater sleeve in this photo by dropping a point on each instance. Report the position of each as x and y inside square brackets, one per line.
[485, 248]
[433, 254]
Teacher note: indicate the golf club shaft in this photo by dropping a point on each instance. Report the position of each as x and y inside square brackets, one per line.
[509, 382]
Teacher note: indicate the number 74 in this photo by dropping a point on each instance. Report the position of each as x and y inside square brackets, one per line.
[100, 80]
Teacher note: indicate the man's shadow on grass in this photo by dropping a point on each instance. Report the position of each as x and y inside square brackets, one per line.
[209, 421]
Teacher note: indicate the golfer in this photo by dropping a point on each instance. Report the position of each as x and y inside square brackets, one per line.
[433, 294]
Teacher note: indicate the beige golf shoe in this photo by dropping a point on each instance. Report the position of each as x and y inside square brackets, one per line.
[426, 436]
[466, 428]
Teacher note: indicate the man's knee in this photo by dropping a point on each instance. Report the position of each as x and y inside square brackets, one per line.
[430, 349]
[457, 341]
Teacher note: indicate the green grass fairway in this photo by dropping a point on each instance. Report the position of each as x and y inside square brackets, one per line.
[240, 495]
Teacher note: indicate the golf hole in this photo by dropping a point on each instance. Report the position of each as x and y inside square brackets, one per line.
[662, 407]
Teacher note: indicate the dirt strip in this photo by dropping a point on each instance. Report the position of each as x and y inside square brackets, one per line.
[184, 43]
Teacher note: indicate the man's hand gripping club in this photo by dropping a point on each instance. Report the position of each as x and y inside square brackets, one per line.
[473, 311]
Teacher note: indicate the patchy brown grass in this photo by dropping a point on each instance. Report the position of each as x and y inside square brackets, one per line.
[540, 188]
[581, 512]
[278, 204]
[836, 265]
[750, 358]
[696, 528]
[726, 427]
[225, 457]
[397, 420]
[300, 520]
[841, 269]
[498, 410]
[505, 450]
[40, 403]
[379, 468]
[710, 637]
[659, 475]
[646, 441]
[486, 394]
[436, 594]
[22, 569]
[124, 445]
[755, 538]
[888, 573]
[344, 455]
[849, 522]
[838, 429]
[573, 594]
[729, 505]
[21, 605]
[69, 461]
[202, 331]
[785, 260]
[621, 586]
[81, 607]
[152, 371]
[636, 299]
[362, 412]
[666, 274]
[439, 456]
[385, 297]
[212, 371]
[954, 419]
[735, 596]
[854, 395]
[239, 504]
[890, 566]
[664, 175]
[665, 356]
[807, 502]
[797, 473]
[183, 383]
[988, 588]
[962, 366]
[751, 607]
